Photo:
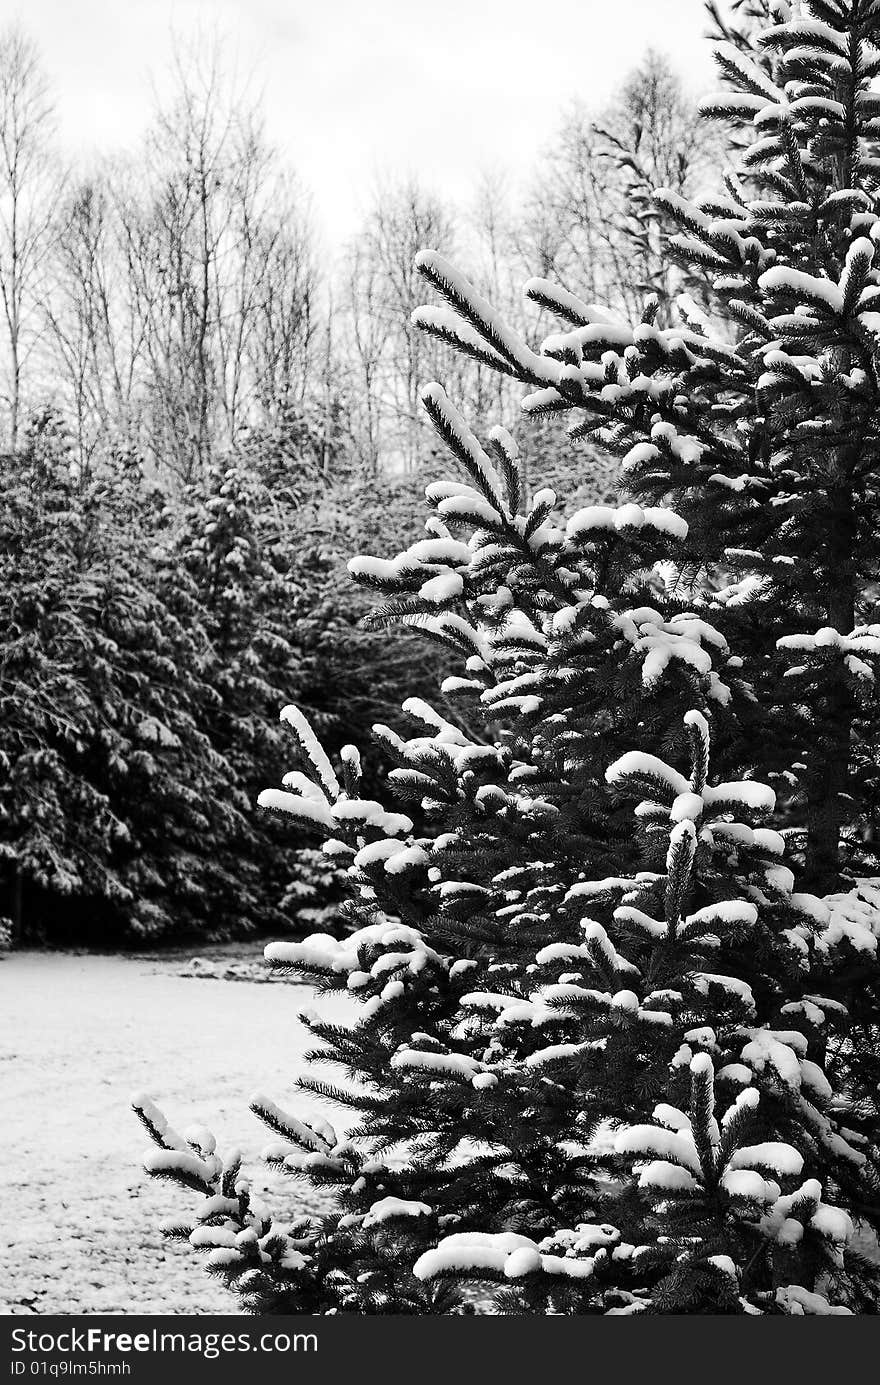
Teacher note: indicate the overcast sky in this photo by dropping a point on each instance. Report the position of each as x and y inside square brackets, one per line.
[357, 87]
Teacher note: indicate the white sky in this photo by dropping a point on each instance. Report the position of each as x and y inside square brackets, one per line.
[354, 88]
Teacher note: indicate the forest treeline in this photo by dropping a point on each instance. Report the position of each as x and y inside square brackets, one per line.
[202, 419]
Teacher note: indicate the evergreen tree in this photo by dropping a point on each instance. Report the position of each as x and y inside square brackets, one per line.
[516, 997]
[143, 655]
[261, 543]
[182, 857]
[55, 830]
[611, 1055]
[116, 810]
[238, 546]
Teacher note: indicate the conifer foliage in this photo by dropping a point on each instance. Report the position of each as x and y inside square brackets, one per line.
[110, 788]
[146, 643]
[610, 1050]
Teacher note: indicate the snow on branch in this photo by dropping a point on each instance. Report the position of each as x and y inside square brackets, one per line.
[476, 310]
[452, 429]
[315, 752]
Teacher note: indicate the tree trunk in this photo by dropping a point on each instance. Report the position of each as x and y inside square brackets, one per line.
[835, 713]
[17, 908]
[15, 405]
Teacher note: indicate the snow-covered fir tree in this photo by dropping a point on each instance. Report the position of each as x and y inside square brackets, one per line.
[115, 811]
[51, 818]
[258, 540]
[611, 1051]
[146, 643]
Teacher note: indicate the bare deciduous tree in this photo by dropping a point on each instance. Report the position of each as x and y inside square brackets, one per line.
[183, 302]
[591, 221]
[391, 358]
[92, 340]
[28, 191]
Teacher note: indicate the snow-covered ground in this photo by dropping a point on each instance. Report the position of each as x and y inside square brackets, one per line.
[78, 1035]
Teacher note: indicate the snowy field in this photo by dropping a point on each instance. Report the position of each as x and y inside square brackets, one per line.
[78, 1035]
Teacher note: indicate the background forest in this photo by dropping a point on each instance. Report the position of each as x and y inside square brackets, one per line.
[202, 418]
